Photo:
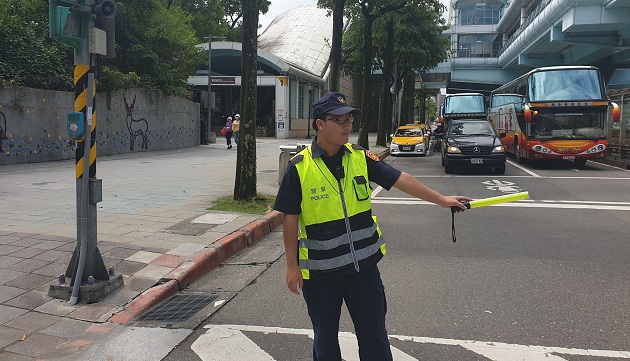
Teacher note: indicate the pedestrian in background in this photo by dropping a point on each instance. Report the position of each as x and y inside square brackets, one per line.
[439, 130]
[228, 132]
[236, 126]
[332, 242]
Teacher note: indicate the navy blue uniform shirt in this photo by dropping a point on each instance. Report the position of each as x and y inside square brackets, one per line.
[289, 195]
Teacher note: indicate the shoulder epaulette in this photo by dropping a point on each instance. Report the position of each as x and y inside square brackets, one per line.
[357, 147]
[297, 159]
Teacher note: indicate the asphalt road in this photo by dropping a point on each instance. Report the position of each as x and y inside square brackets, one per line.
[540, 279]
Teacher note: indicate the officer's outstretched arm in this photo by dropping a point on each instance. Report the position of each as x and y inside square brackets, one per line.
[290, 236]
[414, 187]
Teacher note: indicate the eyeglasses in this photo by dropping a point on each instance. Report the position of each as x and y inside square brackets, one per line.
[341, 120]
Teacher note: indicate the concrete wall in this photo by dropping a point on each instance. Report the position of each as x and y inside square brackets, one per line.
[33, 123]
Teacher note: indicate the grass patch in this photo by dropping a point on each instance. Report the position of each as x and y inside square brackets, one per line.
[261, 204]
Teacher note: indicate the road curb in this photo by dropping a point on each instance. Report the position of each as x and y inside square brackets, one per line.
[199, 264]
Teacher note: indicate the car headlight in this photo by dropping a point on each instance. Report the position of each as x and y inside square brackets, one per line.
[452, 149]
[498, 149]
[394, 143]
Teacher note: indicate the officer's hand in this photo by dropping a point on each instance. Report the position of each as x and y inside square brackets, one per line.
[295, 282]
[455, 201]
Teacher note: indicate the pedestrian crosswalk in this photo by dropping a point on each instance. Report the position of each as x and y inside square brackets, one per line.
[232, 343]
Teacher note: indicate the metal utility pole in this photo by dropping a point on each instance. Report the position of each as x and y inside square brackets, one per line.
[394, 92]
[73, 23]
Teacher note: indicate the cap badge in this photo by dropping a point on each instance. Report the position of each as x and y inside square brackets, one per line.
[341, 100]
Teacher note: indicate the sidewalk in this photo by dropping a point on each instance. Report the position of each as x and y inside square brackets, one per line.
[153, 228]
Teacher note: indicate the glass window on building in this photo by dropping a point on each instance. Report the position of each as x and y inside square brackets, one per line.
[478, 46]
[479, 13]
[301, 101]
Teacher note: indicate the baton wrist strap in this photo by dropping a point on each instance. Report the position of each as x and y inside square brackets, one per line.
[453, 227]
[453, 211]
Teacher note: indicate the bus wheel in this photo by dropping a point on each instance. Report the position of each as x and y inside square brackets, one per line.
[580, 162]
[517, 153]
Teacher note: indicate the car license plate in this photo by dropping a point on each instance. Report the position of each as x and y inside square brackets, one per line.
[476, 160]
[568, 157]
[406, 148]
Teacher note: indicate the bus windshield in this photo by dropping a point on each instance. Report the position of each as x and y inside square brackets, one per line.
[464, 104]
[566, 84]
[570, 123]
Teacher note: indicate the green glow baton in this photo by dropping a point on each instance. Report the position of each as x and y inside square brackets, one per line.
[486, 202]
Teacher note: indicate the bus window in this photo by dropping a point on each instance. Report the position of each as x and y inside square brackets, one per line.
[566, 85]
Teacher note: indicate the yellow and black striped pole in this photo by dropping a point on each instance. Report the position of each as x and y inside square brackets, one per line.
[81, 93]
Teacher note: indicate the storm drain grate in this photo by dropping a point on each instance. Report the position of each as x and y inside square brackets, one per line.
[178, 308]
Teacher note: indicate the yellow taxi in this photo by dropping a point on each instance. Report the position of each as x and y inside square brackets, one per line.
[409, 140]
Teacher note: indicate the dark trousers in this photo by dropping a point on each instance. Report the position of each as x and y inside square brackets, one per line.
[364, 295]
[228, 138]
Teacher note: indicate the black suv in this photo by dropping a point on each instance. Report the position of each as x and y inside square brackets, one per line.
[471, 144]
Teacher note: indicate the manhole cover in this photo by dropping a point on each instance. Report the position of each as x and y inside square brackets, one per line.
[178, 308]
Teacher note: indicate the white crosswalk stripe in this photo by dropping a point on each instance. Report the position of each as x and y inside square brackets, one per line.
[228, 343]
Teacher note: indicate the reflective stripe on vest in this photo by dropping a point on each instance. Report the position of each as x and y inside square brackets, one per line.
[323, 231]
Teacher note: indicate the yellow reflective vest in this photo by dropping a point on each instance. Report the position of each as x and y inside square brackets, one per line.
[338, 234]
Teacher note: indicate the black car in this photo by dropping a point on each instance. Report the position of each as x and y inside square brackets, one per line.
[472, 144]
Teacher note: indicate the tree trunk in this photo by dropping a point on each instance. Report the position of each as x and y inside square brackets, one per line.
[335, 51]
[384, 120]
[406, 103]
[245, 182]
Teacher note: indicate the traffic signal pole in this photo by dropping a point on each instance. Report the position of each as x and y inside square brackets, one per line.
[91, 280]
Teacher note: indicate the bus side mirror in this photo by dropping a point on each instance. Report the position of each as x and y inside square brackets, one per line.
[616, 112]
[527, 113]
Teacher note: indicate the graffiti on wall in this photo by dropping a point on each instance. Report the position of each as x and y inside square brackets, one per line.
[136, 127]
[3, 129]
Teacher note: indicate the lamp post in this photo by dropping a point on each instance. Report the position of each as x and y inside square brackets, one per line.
[210, 37]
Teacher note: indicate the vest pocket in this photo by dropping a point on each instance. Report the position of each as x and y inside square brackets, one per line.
[361, 188]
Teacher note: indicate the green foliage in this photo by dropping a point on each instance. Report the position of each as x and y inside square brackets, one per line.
[111, 79]
[156, 43]
[207, 17]
[419, 43]
[29, 58]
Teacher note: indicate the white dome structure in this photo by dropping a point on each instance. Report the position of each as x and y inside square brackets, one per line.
[301, 37]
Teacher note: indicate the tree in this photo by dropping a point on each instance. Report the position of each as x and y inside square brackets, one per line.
[386, 96]
[338, 7]
[234, 10]
[418, 44]
[245, 182]
[370, 11]
[422, 46]
[156, 43]
[207, 17]
[29, 57]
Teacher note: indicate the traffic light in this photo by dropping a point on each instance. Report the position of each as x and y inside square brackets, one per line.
[105, 11]
[68, 22]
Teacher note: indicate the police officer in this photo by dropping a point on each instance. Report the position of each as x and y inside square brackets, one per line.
[331, 239]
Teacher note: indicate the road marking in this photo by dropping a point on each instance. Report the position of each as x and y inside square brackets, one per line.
[613, 206]
[519, 176]
[612, 166]
[228, 343]
[502, 186]
[222, 343]
[523, 169]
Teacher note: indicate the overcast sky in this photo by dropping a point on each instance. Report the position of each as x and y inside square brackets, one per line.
[277, 7]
